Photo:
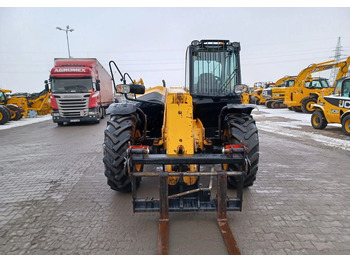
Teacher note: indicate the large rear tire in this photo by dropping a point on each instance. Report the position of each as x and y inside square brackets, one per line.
[120, 132]
[243, 130]
[306, 105]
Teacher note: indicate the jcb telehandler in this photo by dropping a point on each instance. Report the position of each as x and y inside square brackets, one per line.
[334, 108]
[192, 133]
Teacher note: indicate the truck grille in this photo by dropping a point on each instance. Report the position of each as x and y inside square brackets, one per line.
[73, 105]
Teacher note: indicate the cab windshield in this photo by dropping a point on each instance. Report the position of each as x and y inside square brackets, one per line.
[337, 89]
[317, 84]
[2, 97]
[68, 85]
[215, 73]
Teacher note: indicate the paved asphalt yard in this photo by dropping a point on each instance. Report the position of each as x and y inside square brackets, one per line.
[54, 198]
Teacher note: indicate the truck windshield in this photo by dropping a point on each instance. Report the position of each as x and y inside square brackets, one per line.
[215, 73]
[66, 85]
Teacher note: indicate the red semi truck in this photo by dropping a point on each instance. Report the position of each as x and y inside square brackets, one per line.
[81, 90]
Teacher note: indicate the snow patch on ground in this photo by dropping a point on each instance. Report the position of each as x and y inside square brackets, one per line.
[25, 121]
[289, 123]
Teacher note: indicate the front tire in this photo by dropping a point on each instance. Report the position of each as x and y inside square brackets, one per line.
[4, 117]
[243, 130]
[345, 125]
[318, 120]
[119, 134]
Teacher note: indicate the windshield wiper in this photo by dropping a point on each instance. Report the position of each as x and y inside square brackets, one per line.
[232, 75]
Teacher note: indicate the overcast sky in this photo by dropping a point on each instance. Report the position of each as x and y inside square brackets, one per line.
[151, 42]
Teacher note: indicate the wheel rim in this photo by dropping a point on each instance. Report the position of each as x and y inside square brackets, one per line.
[308, 106]
[347, 126]
[316, 120]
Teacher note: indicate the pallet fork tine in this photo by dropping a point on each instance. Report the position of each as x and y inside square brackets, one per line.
[163, 228]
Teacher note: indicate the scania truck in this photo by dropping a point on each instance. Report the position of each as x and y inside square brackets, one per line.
[81, 90]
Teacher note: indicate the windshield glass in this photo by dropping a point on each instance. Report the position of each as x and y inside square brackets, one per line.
[215, 72]
[2, 97]
[317, 84]
[346, 89]
[68, 85]
[337, 89]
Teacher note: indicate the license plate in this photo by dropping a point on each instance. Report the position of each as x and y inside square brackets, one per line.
[75, 120]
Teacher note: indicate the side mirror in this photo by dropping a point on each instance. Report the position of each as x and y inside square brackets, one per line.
[98, 87]
[239, 89]
[47, 86]
[132, 88]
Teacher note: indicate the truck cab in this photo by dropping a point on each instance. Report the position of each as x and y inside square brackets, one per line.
[76, 93]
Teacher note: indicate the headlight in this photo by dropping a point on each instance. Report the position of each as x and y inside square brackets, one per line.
[195, 42]
[124, 89]
[235, 44]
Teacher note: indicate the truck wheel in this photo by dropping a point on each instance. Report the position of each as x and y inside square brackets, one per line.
[345, 125]
[120, 131]
[3, 115]
[307, 103]
[243, 130]
[318, 120]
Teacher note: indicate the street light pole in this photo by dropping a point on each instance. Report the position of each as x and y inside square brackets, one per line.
[66, 30]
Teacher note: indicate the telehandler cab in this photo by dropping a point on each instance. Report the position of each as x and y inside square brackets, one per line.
[192, 134]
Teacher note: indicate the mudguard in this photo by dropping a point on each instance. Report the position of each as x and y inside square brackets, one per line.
[121, 109]
[317, 106]
[244, 108]
[344, 115]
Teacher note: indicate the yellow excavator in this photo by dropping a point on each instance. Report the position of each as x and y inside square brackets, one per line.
[334, 108]
[304, 93]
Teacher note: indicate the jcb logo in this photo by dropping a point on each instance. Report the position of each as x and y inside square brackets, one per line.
[344, 103]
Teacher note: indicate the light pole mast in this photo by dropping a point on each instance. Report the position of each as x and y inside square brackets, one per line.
[66, 30]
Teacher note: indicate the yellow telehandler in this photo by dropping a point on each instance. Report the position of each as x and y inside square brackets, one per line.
[334, 108]
[193, 135]
[304, 93]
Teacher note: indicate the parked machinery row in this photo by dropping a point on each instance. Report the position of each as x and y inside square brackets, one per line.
[18, 105]
[308, 94]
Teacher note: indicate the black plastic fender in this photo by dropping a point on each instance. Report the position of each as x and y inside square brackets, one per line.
[344, 115]
[241, 108]
[121, 109]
